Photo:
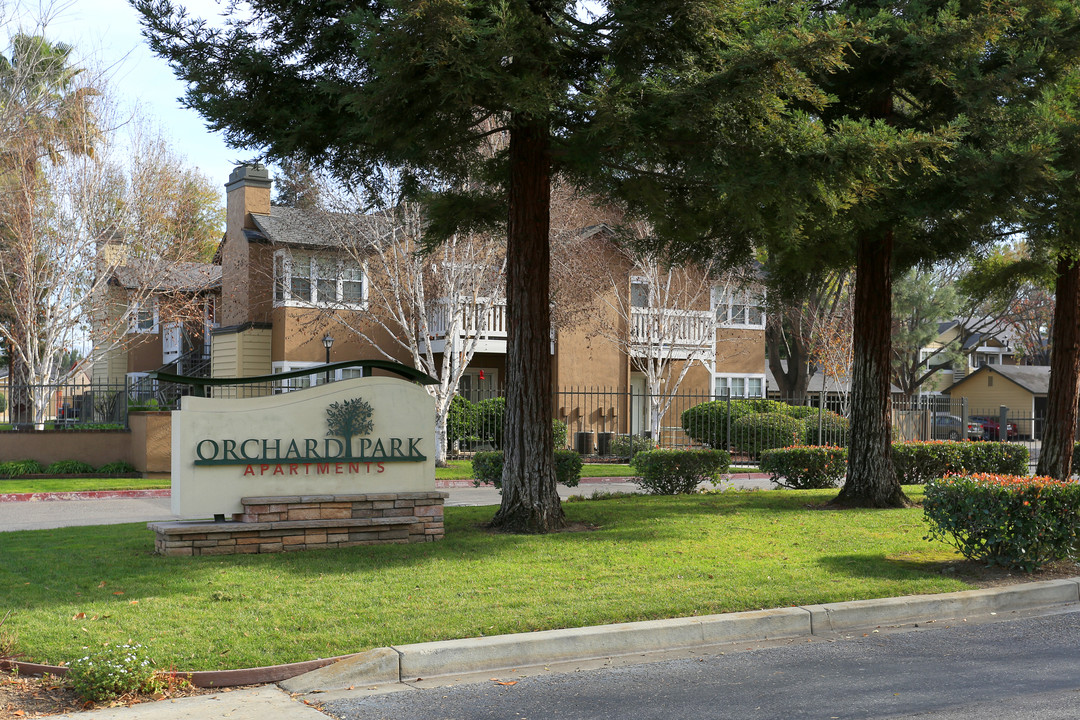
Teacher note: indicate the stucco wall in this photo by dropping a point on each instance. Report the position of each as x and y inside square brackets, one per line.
[48, 446]
[740, 351]
[151, 442]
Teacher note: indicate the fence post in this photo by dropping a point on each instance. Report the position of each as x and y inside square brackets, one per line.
[820, 412]
[964, 415]
[1003, 424]
[727, 425]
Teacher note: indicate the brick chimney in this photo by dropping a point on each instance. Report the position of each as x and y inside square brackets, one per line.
[246, 274]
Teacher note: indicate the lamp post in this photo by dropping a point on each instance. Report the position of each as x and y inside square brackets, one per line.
[328, 342]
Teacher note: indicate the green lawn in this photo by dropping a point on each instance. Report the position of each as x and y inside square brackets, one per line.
[643, 558]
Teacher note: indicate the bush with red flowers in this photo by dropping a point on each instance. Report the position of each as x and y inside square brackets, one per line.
[1019, 522]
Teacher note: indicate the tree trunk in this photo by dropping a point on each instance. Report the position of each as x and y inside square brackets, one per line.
[871, 481]
[790, 382]
[1055, 458]
[530, 502]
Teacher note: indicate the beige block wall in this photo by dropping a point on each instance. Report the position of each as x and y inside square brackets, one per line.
[151, 442]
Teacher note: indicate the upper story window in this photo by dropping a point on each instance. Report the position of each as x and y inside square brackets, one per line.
[143, 317]
[639, 292]
[738, 308]
[305, 279]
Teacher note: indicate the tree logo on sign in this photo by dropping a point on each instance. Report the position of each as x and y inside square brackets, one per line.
[349, 418]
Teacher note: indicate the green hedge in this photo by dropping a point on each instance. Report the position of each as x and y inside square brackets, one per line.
[627, 446]
[764, 431]
[756, 425]
[488, 467]
[805, 467]
[482, 423]
[673, 472]
[707, 423]
[1017, 522]
[917, 463]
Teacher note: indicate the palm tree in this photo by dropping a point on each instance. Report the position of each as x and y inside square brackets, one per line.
[46, 115]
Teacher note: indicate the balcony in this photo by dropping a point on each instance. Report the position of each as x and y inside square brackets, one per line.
[676, 334]
[487, 324]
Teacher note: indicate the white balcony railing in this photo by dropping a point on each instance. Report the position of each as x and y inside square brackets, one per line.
[678, 333]
[488, 323]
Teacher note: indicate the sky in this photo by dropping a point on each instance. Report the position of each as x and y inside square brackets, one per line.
[107, 34]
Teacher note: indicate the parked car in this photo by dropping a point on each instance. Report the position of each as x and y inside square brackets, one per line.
[991, 427]
[953, 427]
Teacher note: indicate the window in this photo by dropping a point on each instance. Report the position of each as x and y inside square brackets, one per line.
[639, 292]
[143, 317]
[738, 386]
[317, 279]
[738, 309]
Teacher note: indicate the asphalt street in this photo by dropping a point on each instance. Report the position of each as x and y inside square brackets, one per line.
[1026, 668]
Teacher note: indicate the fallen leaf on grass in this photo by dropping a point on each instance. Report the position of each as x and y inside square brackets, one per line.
[79, 616]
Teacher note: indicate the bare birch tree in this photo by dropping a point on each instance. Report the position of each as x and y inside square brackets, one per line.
[662, 315]
[436, 308]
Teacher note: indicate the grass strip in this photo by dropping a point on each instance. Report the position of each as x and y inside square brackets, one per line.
[641, 558]
[50, 485]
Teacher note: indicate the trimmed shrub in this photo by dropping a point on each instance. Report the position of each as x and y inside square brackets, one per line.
[764, 431]
[119, 467]
[918, 462]
[627, 446]
[488, 467]
[567, 468]
[558, 431]
[460, 419]
[707, 423]
[3, 403]
[14, 468]
[805, 467]
[834, 427]
[70, 467]
[1017, 522]
[674, 472]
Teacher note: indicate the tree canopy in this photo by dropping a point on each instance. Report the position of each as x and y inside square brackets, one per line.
[634, 103]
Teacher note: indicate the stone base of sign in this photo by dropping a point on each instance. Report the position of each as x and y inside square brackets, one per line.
[308, 522]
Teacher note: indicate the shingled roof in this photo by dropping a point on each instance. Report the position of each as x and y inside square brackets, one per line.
[1033, 378]
[309, 228]
[189, 276]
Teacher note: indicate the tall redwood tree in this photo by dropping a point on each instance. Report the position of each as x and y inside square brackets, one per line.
[407, 91]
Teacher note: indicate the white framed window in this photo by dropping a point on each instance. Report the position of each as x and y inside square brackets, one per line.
[303, 279]
[738, 309]
[741, 386]
[306, 381]
[143, 317]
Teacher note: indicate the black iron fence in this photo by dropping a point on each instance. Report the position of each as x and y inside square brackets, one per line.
[601, 423]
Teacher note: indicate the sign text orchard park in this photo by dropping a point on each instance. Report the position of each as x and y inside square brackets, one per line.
[330, 455]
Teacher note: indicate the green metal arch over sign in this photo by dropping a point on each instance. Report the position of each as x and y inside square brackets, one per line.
[201, 383]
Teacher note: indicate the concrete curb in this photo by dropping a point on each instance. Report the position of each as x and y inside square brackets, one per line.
[407, 663]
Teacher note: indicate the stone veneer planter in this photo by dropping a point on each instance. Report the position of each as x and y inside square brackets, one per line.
[308, 522]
